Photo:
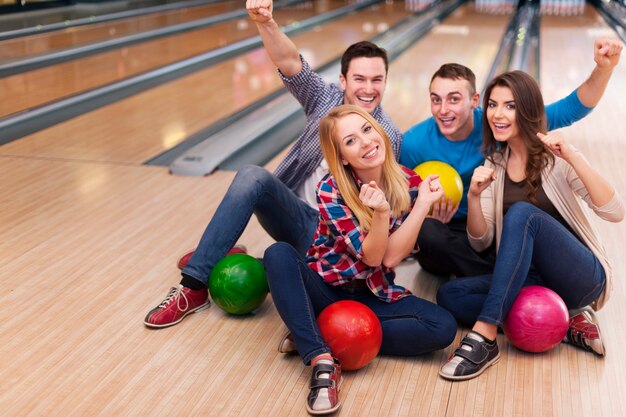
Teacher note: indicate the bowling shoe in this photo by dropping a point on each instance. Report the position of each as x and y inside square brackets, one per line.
[178, 303]
[287, 344]
[325, 383]
[182, 262]
[471, 359]
[584, 332]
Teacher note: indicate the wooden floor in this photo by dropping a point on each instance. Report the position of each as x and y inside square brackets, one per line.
[81, 35]
[160, 118]
[40, 86]
[88, 244]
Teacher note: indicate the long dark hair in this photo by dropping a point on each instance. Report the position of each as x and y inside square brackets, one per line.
[530, 116]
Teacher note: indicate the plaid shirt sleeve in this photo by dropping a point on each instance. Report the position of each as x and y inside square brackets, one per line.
[308, 87]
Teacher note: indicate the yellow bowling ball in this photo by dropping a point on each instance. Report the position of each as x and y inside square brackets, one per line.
[449, 178]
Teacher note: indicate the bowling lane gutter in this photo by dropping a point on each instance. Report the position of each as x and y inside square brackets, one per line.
[615, 16]
[17, 33]
[38, 118]
[261, 133]
[65, 55]
[519, 47]
[277, 122]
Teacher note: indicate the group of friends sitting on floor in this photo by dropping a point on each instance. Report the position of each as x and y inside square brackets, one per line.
[344, 210]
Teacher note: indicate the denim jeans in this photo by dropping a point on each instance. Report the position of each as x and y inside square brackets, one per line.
[411, 325]
[279, 210]
[535, 249]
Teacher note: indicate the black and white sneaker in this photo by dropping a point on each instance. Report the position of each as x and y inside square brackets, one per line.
[325, 384]
[471, 358]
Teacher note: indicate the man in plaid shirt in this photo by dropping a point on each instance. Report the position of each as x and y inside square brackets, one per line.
[284, 202]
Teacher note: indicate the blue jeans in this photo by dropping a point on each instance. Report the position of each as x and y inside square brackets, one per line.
[535, 249]
[411, 325]
[279, 210]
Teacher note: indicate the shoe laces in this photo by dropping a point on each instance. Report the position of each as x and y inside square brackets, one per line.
[176, 293]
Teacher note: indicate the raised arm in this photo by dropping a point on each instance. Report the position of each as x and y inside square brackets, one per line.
[599, 189]
[606, 53]
[279, 47]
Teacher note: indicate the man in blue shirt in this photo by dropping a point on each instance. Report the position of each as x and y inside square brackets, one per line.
[454, 135]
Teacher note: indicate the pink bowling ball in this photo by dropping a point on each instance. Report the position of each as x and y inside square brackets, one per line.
[537, 321]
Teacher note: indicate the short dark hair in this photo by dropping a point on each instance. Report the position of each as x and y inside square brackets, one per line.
[453, 71]
[363, 49]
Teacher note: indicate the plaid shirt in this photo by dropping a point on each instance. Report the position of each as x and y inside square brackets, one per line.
[317, 99]
[337, 252]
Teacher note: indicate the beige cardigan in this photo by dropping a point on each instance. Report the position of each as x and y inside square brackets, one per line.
[561, 184]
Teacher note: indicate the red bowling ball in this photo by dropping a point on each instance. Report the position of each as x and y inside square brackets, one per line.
[537, 321]
[352, 331]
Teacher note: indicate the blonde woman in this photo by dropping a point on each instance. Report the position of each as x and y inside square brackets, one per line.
[371, 210]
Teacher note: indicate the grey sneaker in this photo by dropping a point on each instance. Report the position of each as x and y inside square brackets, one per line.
[287, 345]
[470, 359]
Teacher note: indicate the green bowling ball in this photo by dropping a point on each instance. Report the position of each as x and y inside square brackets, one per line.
[238, 284]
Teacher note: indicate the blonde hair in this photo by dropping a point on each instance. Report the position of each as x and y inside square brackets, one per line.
[393, 181]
